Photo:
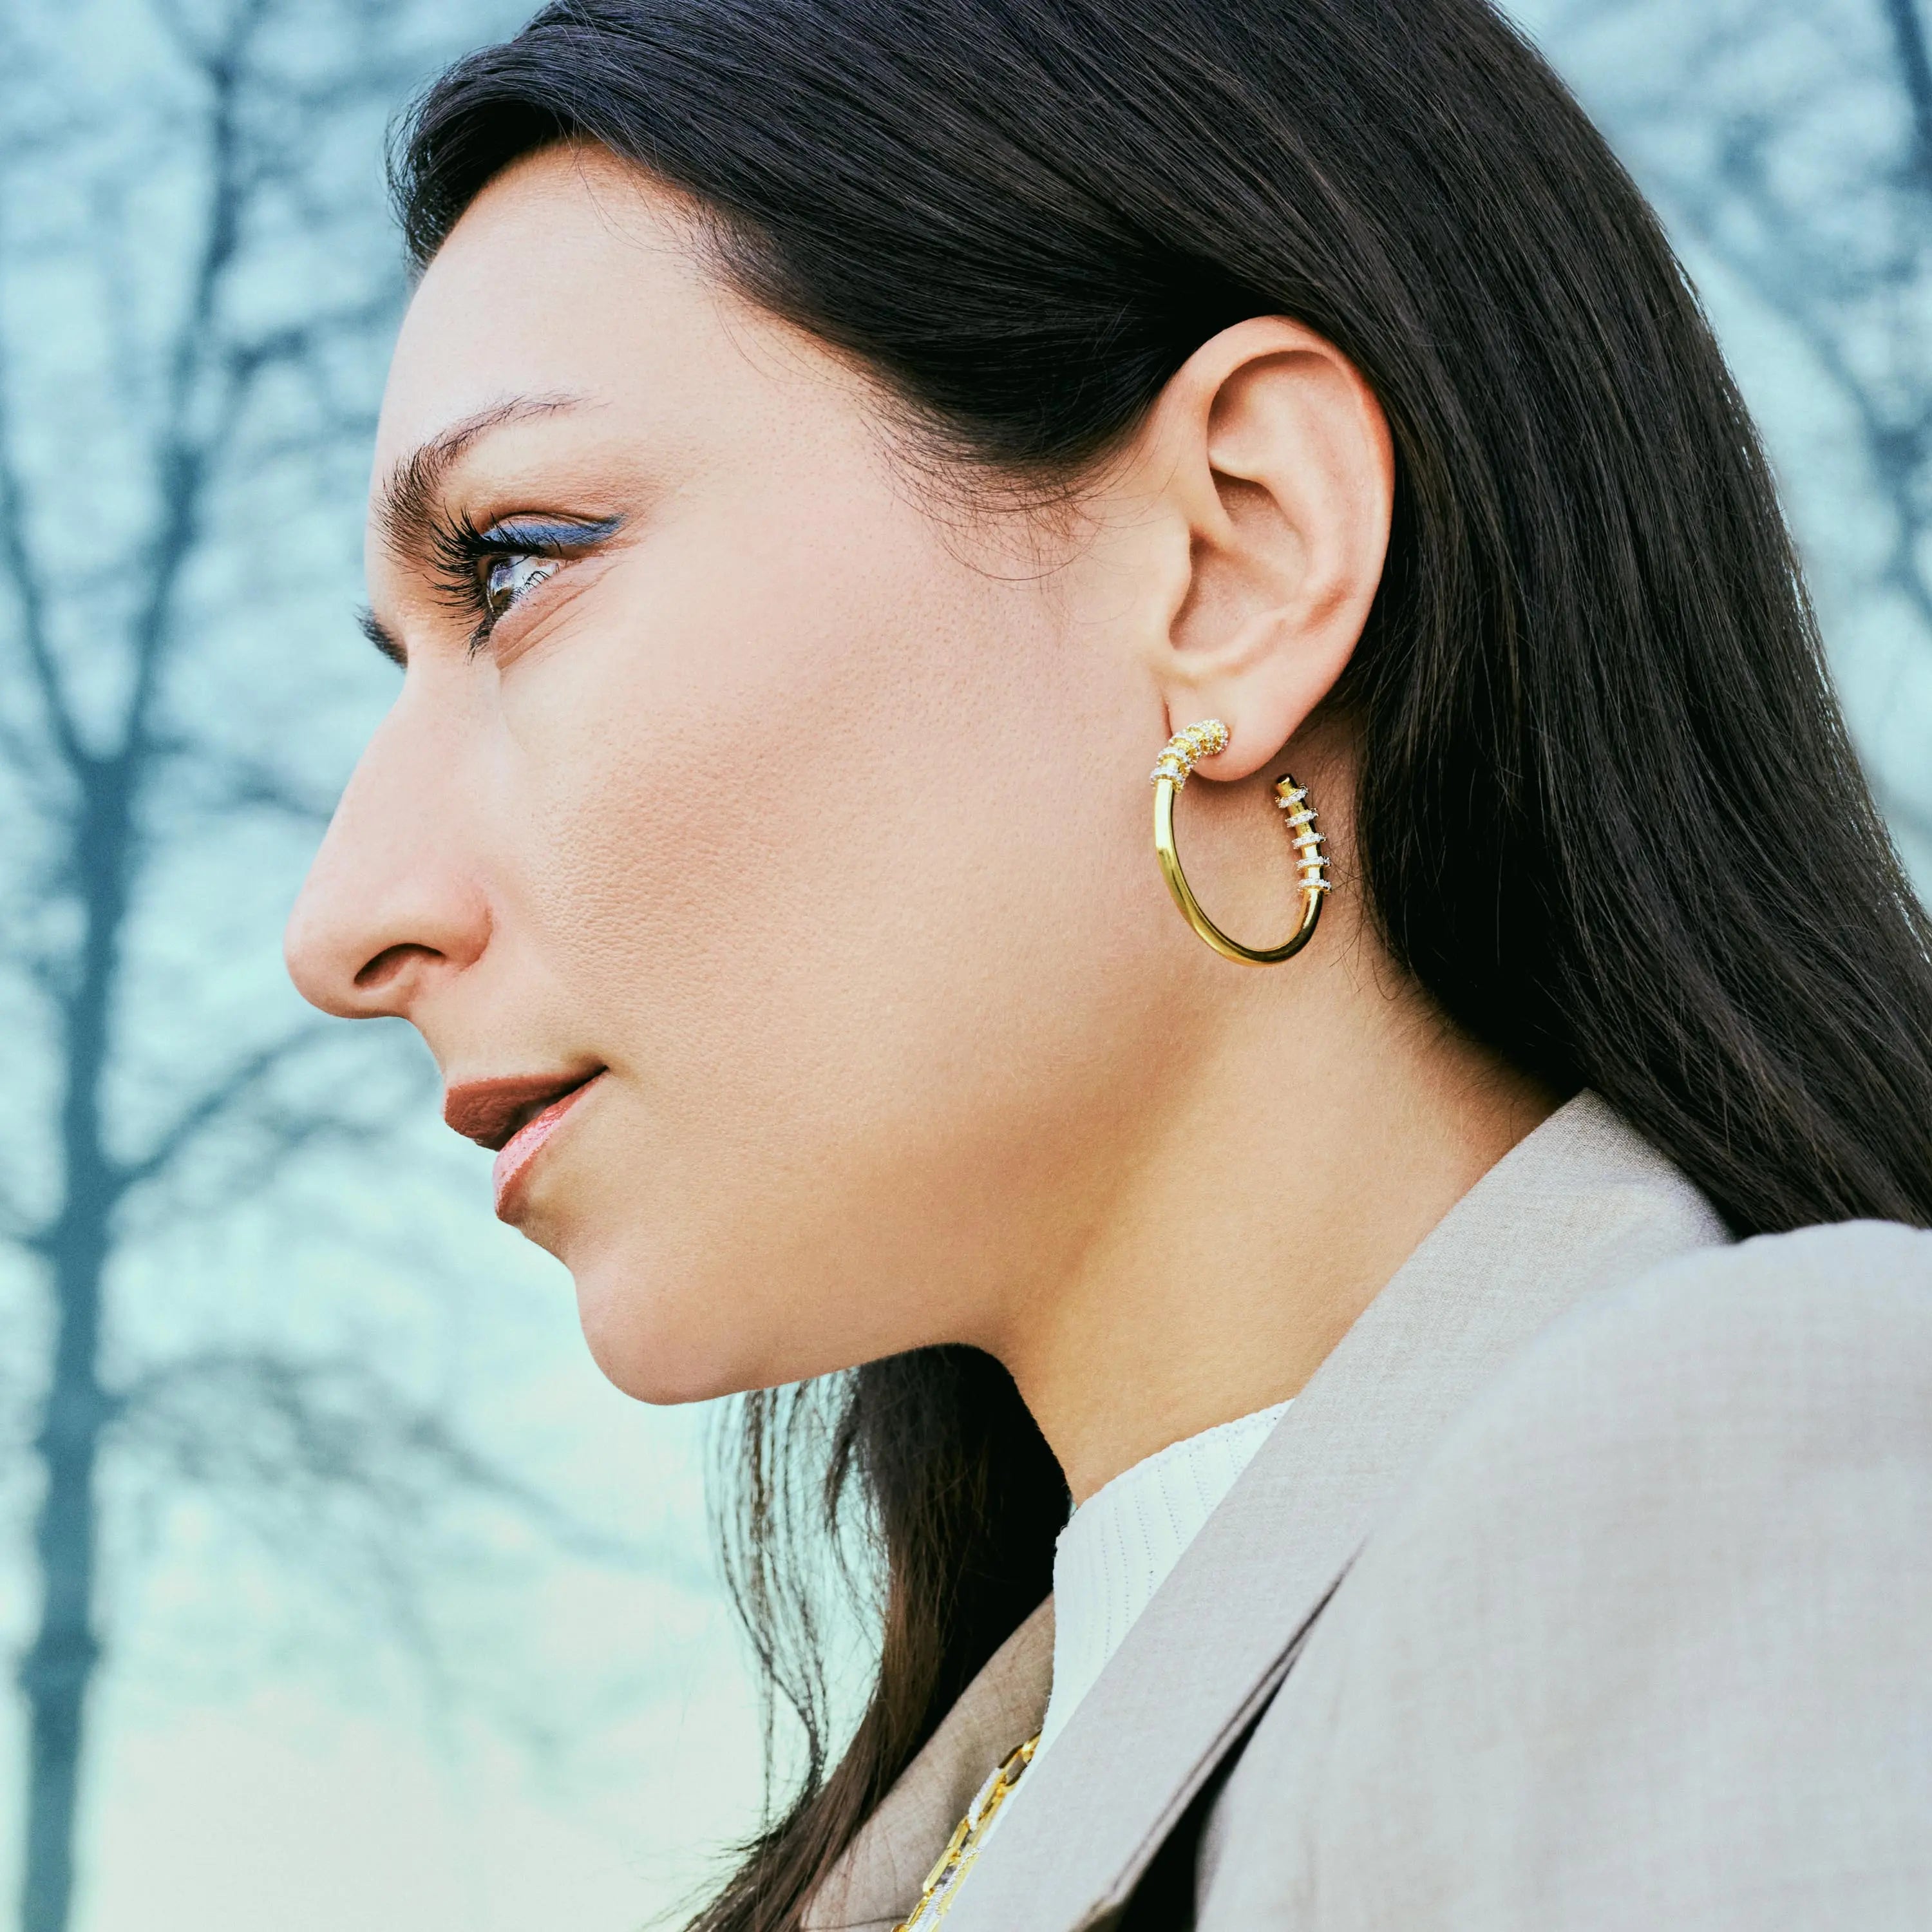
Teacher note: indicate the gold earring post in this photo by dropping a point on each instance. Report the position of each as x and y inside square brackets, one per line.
[1170, 772]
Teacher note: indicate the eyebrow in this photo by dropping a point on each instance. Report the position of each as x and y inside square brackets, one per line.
[406, 503]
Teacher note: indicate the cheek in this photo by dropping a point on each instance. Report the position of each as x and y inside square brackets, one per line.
[832, 871]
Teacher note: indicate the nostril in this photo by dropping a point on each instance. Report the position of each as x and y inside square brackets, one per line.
[388, 963]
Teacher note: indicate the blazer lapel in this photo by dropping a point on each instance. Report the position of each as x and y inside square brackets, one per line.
[1580, 1204]
[877, 1878]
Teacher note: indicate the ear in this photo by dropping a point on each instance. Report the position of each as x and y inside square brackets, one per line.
[1274, 475]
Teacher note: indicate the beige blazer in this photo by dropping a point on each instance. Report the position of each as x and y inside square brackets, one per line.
[1587, 1585]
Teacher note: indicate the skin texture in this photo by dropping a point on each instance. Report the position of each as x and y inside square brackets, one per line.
[812, 805]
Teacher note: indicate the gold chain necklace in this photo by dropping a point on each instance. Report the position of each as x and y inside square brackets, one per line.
[942, 1882]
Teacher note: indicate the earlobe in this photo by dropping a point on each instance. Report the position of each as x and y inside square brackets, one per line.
[1277, 459]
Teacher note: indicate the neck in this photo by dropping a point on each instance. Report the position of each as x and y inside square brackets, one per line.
[1321, 1131]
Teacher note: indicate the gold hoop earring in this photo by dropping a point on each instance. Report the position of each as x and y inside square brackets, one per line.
[1170, 771]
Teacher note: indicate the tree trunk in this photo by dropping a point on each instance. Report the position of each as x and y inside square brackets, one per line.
[56, 1671]
[59, 1668]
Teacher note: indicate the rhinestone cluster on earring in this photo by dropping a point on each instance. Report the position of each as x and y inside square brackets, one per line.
[1293, 800]
[1182, 751]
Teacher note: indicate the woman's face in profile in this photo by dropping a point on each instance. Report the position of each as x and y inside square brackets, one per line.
[790, 820]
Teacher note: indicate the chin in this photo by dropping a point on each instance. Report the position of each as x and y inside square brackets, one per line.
[666, 1341]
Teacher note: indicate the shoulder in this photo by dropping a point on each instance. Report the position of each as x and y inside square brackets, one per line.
[1747, 1430]
[1757, 1346]
[1645, 1641]
[1855, 1281]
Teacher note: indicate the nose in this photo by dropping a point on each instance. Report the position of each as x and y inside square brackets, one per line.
[393, 905]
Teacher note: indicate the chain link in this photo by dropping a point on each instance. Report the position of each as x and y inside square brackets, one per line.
[935, 1896]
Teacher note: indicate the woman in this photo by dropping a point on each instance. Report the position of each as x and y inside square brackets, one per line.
[834, 446]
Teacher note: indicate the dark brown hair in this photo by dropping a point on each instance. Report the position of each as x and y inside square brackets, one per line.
[1608, 816]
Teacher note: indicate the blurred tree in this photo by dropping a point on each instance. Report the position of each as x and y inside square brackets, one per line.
[196, 291]
[1788, 144]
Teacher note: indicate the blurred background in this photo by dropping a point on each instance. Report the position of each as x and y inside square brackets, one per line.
[337, 1588]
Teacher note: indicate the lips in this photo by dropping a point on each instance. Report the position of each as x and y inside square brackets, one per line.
[516, 1116]
[490, 1111]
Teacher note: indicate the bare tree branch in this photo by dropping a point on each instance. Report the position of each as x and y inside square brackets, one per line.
[247, 1078]
[22, 573]
[1916, 71]
[230, 782]
[182, 467]
[1897, 453]
[332, 1425]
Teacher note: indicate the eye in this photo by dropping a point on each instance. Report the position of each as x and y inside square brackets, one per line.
[509, 577]
[486, 573]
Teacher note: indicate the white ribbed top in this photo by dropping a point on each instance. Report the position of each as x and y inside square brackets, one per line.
[1114, 1553]
[1119, 1544]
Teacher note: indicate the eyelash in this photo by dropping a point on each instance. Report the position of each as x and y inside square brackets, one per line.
[461, 555]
